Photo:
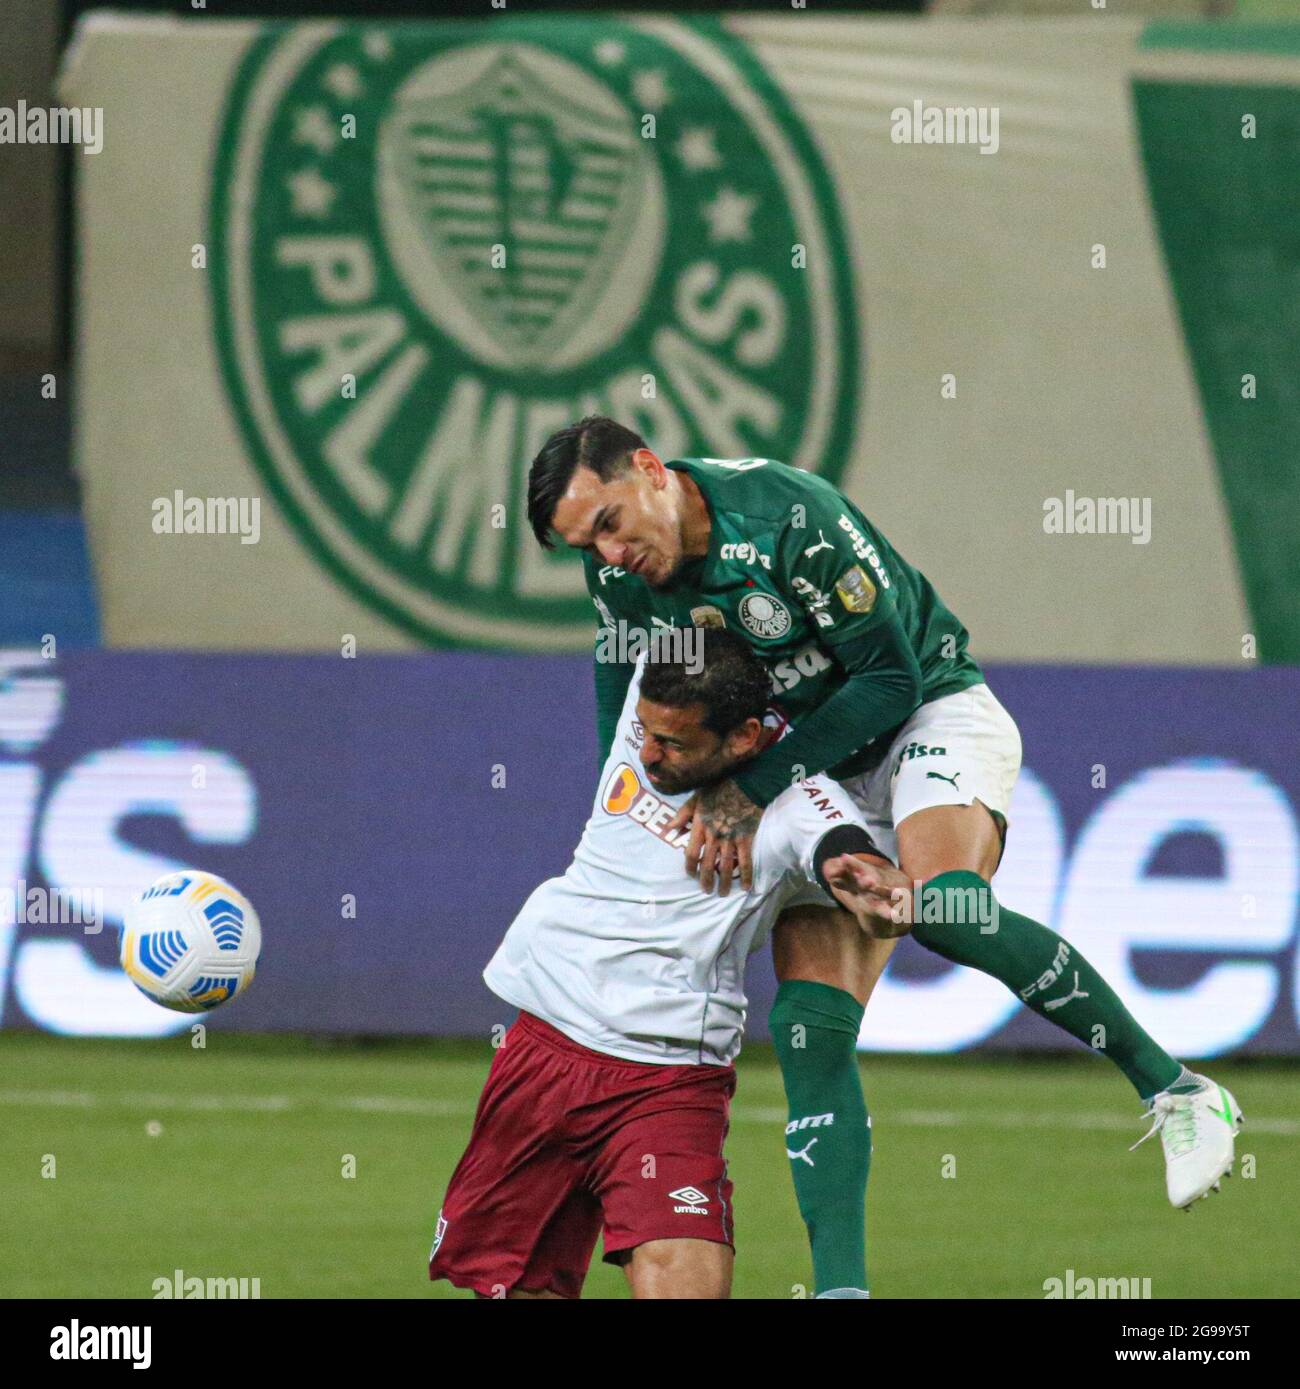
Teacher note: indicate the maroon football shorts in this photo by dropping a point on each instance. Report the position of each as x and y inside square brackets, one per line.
[568, 1141]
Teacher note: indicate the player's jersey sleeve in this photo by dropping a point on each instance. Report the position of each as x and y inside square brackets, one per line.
[611, 677]
[794, 826]
[830, 566]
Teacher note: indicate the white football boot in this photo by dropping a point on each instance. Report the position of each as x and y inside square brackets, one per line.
[1196, 1129]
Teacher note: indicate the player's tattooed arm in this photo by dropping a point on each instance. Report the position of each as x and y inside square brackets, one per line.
[723, 823]
[727, 811]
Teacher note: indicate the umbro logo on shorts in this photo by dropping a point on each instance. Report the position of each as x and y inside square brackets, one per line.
[695, 1201]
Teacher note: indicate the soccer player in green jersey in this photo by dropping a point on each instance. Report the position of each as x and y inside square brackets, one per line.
[873, 672]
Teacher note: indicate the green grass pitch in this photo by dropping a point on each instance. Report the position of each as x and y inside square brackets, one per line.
[230, 1162]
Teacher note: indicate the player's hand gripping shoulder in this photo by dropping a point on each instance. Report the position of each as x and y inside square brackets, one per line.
[876, 892]
[723, 823]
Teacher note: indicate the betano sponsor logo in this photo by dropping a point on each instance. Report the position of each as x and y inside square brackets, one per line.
[625, 795]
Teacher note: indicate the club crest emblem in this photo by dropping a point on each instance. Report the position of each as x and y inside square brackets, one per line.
[765, 616]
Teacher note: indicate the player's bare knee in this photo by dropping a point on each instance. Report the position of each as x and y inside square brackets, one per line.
[680, 1268]
[825, 945]
[951, 839]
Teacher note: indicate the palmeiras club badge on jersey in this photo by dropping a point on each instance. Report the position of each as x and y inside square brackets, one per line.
[764, 615]
[433, 245]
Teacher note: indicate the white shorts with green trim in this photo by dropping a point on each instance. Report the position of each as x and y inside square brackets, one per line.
[956, 750]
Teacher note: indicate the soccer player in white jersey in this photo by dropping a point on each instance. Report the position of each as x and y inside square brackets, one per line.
[606, 1105]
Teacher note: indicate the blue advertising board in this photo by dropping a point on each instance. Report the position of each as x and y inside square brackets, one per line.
[389, 814]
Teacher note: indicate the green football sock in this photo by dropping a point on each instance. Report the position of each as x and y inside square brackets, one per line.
[828, 1139]
[1046, 972]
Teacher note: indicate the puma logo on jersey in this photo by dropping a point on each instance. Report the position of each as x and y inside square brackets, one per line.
[939, 776]
[812, 550]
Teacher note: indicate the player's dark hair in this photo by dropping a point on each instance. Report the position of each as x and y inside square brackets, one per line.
[596, 442]
[729, 681]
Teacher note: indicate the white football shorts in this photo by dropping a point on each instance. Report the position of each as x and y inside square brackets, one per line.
[956, 750]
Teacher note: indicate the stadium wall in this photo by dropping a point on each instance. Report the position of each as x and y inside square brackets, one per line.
[388, 815]
[1090, 301]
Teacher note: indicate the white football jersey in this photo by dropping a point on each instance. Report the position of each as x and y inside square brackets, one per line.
[625, 953]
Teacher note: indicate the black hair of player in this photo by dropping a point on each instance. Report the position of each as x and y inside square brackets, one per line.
[730, 681]
[595, 442]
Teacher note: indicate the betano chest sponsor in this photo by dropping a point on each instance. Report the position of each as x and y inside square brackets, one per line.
[626, 795]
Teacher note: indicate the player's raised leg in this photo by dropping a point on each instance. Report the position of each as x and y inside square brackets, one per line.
[953, 850]
[827, 969]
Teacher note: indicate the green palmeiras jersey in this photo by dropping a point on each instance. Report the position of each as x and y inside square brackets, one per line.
[855, 638]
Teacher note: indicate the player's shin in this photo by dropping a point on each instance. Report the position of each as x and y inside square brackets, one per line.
[958, 917]
[828, 1137]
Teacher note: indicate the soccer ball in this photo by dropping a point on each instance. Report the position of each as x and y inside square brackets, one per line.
[191, 941]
